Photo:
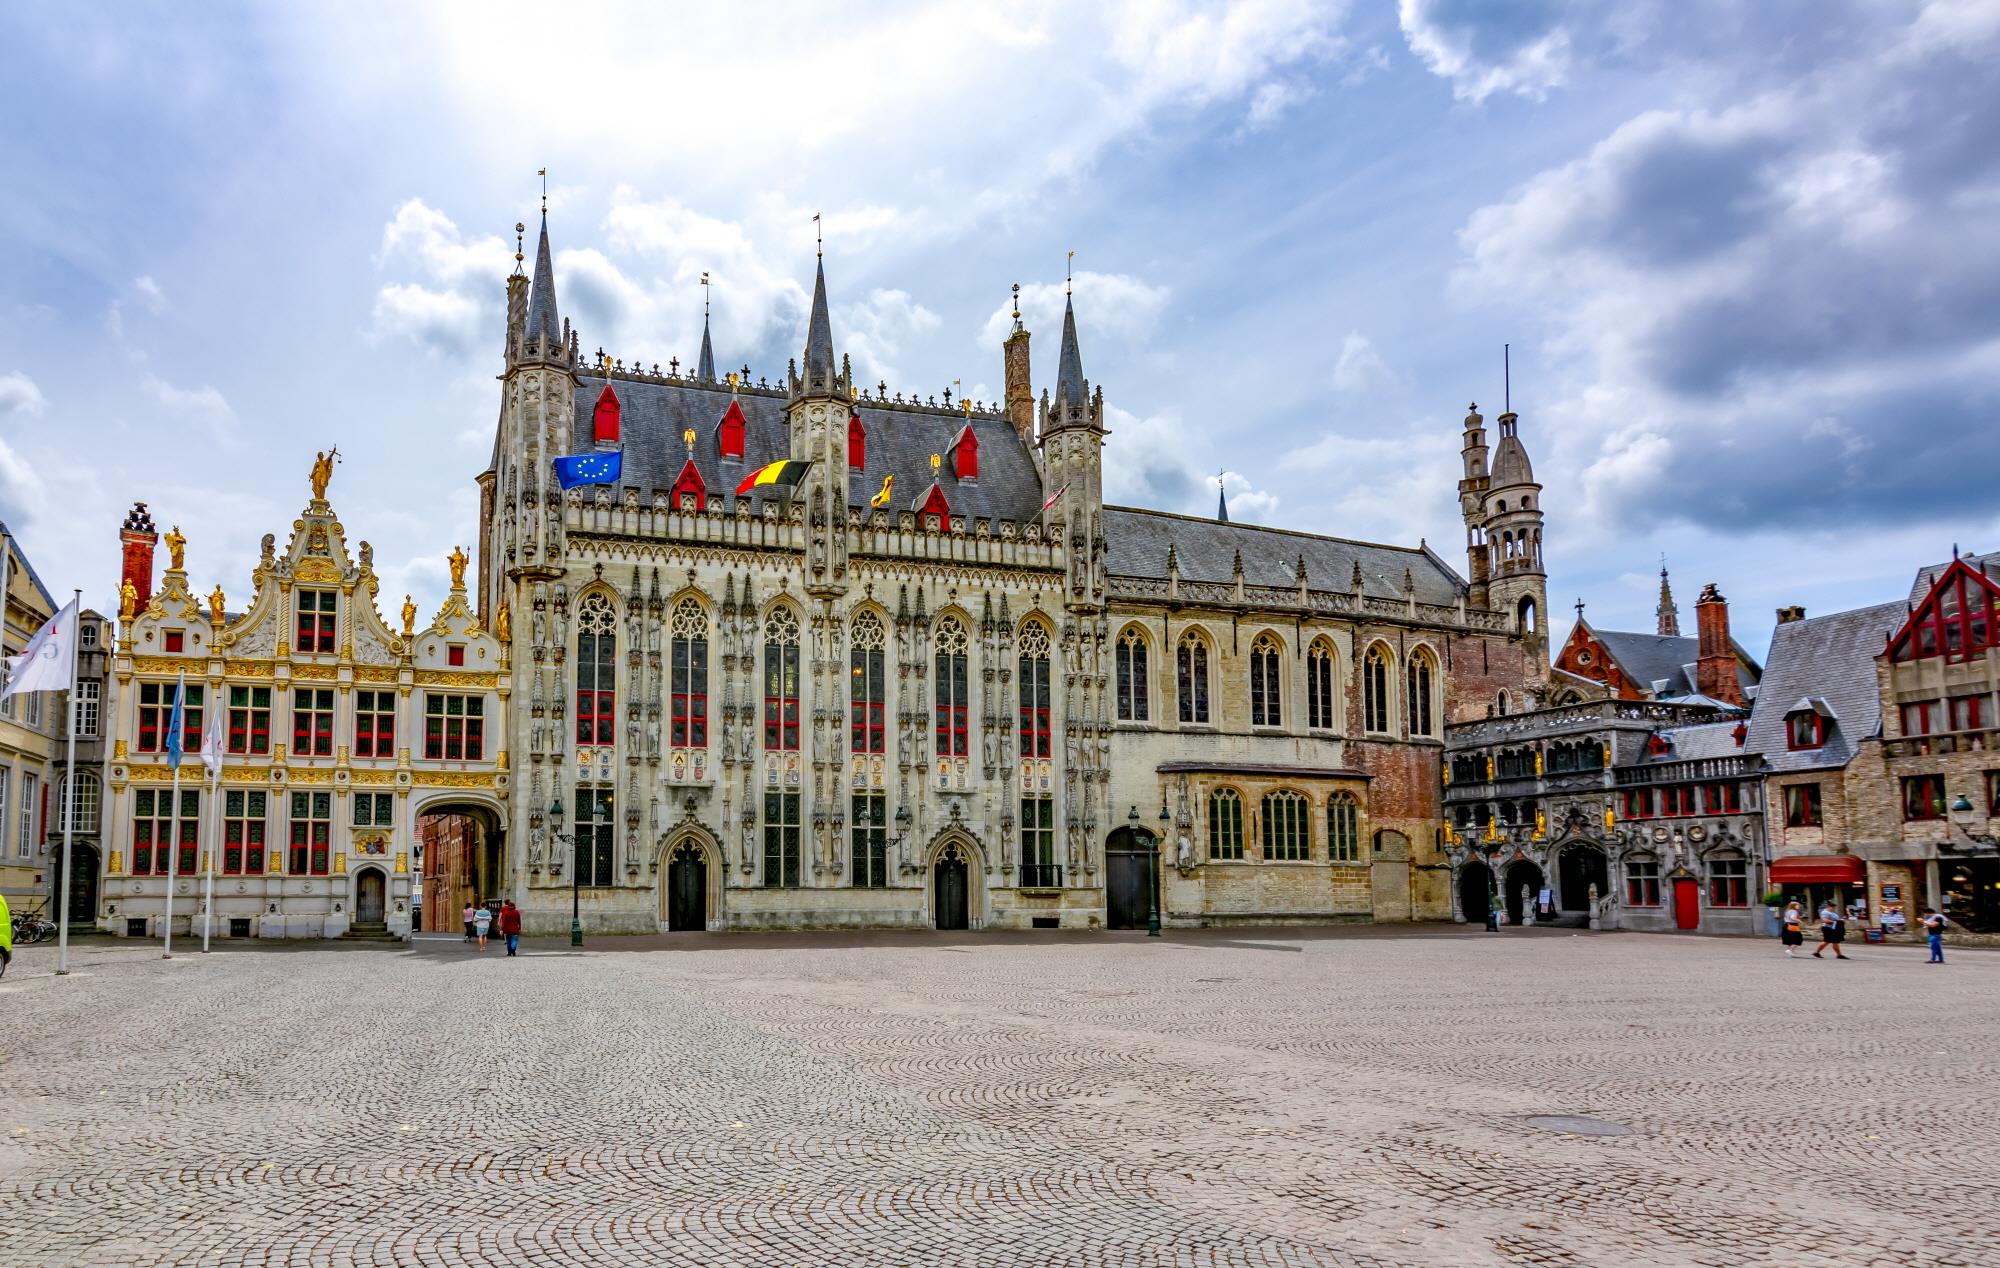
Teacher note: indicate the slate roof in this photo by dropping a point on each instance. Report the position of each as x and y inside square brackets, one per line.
[1831, 658]
[1927, 576]
[900, 441]
[26, 565]
[1693, 743]
[1205, 550]
[1650, 658]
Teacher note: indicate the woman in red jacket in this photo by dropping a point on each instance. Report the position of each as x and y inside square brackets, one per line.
[510, 926]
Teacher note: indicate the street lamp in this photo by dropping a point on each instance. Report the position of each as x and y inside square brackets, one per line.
[1962, 811]
[575, 896]
[1153, 912]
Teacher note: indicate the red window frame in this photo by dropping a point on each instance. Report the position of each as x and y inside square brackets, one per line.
[1802, 806]
[1959, 618]
[857, 443]
[249, 720]
[965, 456]
[1638, 803]
[156, 707]
[866, 704]
[1722, 799]
[1968, 713]
[454, 734]
[1918, 716]
[781, 697]
[311, 834]
[243, 829]
[596, 687]
[374, 724]
[152, 828]
[604, 417]
[1035, 738]
[312, 721]
[317, 610]
[1810, 735]
[1642, 883]
[689, 484]
[175, 640]
[1729, 888]
[454, 655]
[950, 737]
[688, 727]
[1677, 802]
[1923, 798]
[729, 435]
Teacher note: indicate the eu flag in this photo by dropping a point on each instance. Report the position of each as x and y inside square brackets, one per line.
[589, 468]
[176, 722]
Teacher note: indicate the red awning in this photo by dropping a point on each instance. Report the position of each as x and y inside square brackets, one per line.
[1819, 869]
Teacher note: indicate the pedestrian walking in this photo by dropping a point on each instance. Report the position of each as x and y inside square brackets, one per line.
[1832, 930]
[1934, 925]
[1794, 931]
[468, 922]
[510, 926]
[482, 920]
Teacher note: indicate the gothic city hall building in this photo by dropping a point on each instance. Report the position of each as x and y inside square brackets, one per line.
[918, 676]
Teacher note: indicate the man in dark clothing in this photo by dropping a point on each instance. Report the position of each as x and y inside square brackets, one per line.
[510, 926]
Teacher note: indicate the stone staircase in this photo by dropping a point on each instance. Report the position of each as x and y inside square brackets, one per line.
[375, 932]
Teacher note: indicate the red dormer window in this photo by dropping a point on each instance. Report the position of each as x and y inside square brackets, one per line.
[935, 512]
[965, 455]
[690, 484]
[1958, 619]
[729, 436]
[604, 418]
[1805, 729]
[857, 443]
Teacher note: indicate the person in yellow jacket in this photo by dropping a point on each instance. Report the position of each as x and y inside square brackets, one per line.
[6, 935]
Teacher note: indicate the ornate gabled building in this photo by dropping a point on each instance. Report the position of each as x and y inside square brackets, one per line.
[1712, 668]
[936, 681]
[342, 737]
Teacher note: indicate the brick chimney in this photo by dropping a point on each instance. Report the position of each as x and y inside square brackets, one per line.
[1020, 392]
[1715, 662]
[1788, 615]
[136, 539]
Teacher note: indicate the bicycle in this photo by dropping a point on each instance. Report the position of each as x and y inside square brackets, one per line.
[33, 927]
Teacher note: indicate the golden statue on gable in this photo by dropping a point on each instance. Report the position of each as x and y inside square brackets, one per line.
[457, 560]
[176, 549]
[409, 617]
[322, 472]
[216, 604]
[128, 600]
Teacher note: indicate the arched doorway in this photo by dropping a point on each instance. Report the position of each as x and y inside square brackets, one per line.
[82, 882]
[951, 878]
[1578, 868]
[1524, 882]
[459, 861]
[687, 888]
[1131, 873]
[1475, 890]
[371, 894]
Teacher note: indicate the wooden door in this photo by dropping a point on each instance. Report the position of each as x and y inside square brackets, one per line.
[1687, 903]
[951, 891]
[687, 889]
[368, 904]
[1125, 889]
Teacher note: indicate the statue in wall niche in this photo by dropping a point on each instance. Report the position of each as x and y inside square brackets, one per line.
[1184, 851]
[503, 623]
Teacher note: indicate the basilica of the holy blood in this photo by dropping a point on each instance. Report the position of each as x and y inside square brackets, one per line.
[937, 681]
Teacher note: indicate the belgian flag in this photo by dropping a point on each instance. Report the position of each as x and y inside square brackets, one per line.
[785, 473]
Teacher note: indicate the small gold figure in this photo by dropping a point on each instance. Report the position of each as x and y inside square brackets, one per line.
[322, 472]
[216, 602]
[176, 548]
[128, 600]
[888, 489]
[457, 561]
[409, 617]
[503, 624]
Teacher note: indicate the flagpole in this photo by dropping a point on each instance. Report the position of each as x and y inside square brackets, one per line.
[175, 719]
[68, 800]
[208, 870]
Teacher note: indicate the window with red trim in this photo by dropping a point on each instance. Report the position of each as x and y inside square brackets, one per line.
[1919, 717]
[604, 418]
[374, 724]
[1729, 881]
[857, 443]
[729, 436]
[312, 833]
[1968, 713]
[1805, 729]
[242, 832]
[1034, 685]
[1722, 799]
[965, 456]
[1642, 882]
[312, 722]
[951, 698]
[688, 672]
[1923, 797]
[454, 727]
[152, 829]
[249, 720]
[781, 681]
[1957, 620]
[454, 655]
[156, 708]
[176, 640]
[936, 506]
[1677, 802]
[596, 670]
[867, 686]
[690, 484]
[316, 610]
[1638, 803]
[1802, 806]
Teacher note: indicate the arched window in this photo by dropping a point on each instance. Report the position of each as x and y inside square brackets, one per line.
[949, 692]
[1131, 665]
[1375, 690]
[1034, 687]
[1422, 685]
[1287, 828]
[688, 670]
[1191, 673]
[867, 689]
[1526, 612]
[1225, 824]
[781, 681]
[1319, 686]
[596, 670]
[1265, 707]
[1501, 703]
[1343, 829]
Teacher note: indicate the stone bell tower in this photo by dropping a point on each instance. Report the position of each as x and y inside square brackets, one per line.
[1072, 441]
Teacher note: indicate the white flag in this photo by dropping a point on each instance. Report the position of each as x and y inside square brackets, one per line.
[211, 744]
[49, 661]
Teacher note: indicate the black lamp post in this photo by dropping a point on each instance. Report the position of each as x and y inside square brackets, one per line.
[1152, 876]
[575, 895]
[1153, 909]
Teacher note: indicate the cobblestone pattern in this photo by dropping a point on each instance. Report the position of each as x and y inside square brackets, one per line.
[1352, 1098]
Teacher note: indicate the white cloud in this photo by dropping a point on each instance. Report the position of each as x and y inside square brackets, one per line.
[20, 400]
[1152, 461]
[1381, 487]
[19, 397]
[204, 406]
[1108, 305]
[150, 294]
[1360, 366]
[458, 302]
[873, 333]
[1534, 63]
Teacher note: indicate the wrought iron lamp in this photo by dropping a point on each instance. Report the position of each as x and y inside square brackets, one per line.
[575, 895]
[1962, 812]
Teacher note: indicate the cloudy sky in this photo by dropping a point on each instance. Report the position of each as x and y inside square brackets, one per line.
[1745, 256]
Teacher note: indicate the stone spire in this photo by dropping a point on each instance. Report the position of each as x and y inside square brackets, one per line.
[543, 320]
[705, 368]
[1668, 612]
[1069, 366]
[819, 333]
[1221, 499]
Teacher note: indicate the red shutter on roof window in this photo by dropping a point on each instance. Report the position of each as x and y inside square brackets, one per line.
[690, 482]
[966, 452]
[857, 443]
[936, 505]
[604, 419]
[729, 437]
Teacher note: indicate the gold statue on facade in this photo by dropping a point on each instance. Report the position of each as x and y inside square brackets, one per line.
[176, 549]
[128, 600]
[457, 560]
[503, 624]
[322, 472]
[216, 603]
[409, 617]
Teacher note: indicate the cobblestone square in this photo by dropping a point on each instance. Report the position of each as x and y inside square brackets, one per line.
[1258, 1097]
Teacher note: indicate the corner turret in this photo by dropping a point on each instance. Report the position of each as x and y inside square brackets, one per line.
[1072, 443]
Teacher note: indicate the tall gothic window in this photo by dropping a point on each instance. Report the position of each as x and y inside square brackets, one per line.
[1343, 829]
[1319, 686]
[596, 672]
[1038, 843]
[781, 840]
[1423, 678]
[1191, 676]
[867, 689]
[1225, 824]
[781, 681]
[950, 689]
[1131, 665]
[1034, 686]
[1265, 709]
[689, 673]
[1375, 690]
[594, 845]
[871, 841]
[1287, 828]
